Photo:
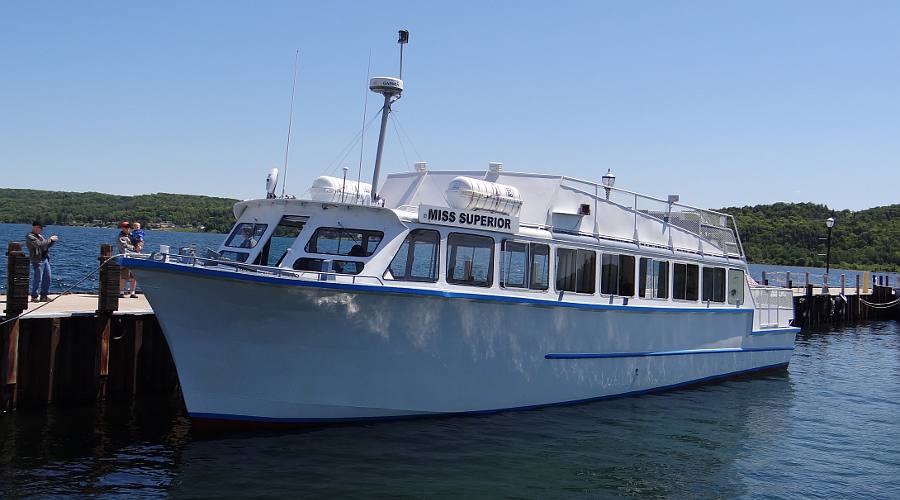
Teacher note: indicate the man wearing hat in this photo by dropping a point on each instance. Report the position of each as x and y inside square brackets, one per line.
[39, 253]
[126, 246]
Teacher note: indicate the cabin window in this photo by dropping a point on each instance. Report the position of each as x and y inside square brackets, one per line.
[713, 284]
[235, 256]
[246, 235]
[417, 259]
[525, 265]
[337, 266]
[654, 278]
[280, 242]
[539, 278]
[470, 259]
[576, 270]
[340, 241]
[736, 283]
[617, 274]
[686, 279]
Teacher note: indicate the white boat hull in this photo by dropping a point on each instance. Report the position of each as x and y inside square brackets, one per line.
[276, 350]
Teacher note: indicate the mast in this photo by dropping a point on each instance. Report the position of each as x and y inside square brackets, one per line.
[391, 89]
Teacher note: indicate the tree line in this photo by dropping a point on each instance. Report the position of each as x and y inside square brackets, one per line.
[202, 213]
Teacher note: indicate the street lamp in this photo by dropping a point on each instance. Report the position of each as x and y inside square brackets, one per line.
[609, 180]
[829, 222]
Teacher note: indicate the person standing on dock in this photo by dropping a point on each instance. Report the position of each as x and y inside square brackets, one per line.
[39, 254]
[126, 246]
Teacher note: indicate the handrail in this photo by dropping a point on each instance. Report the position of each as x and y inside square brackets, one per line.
[255, 268]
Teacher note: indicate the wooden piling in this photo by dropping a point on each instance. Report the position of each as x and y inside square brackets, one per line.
[107, 304]
[16, 303]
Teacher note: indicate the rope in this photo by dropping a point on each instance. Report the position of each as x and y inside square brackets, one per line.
[64, 292]
[886, 305]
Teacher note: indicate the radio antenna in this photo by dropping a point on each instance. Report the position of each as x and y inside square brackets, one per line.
[362, 142]
[287, 146]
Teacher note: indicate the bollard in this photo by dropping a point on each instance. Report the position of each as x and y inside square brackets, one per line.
[107, 303]
[16, 303]
[787, 280]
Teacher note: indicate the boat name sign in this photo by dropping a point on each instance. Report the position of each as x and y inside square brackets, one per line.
[468, 219]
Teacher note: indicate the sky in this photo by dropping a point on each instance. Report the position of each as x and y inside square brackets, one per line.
[722, 102]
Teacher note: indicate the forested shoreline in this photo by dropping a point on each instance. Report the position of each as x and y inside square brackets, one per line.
[788, 234]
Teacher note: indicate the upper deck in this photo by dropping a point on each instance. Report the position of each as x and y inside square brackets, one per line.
[557, 204]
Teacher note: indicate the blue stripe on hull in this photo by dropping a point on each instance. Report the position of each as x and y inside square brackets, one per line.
[273, 420]
[212, 273]
[595, 355]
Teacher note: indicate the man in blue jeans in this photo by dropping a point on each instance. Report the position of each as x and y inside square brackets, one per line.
[39, 253]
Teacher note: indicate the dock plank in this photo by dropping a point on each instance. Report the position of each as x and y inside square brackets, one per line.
[79, 304]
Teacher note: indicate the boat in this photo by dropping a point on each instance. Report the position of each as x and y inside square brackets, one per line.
[450, 292]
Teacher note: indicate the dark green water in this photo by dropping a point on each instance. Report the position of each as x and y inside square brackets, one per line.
[829, 427]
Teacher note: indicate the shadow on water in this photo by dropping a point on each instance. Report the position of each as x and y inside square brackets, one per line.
[678, 443]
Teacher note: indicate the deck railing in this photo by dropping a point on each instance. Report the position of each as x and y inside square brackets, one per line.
[774, 305]
[717, 228]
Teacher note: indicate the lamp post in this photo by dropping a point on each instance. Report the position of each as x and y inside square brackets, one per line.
[829, 223]
[608, 180]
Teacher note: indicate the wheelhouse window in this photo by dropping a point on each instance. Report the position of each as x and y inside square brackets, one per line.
[714, 284]
[576, 270]
[470, 259]
[736, 283]
[686, 281]
[617, 274]
[283, 236]
[340, 241]
[246, 235]
[524, 265]
[417, 259]
[654, 278]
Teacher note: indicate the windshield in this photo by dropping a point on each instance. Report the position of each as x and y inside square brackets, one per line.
[246, 235]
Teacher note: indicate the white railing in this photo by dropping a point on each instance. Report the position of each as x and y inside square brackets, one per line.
[774, 305]
[280, 272]
[716, 227]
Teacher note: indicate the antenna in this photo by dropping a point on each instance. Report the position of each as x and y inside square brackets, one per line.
[403, 40]
[287, 147]
[362, 141]
[390, 88]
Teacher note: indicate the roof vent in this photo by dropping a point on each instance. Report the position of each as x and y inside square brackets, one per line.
[495, 166]
[421, 166]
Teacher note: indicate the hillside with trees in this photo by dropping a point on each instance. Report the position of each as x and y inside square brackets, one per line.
[789, 234]
[178, 211]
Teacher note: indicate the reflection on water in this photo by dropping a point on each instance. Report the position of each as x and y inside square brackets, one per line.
[829, 427]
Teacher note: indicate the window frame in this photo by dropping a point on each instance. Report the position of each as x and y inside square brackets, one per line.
[366, 233]
[699, 281]
[709, 296]
[741, 288]
[410, 252]
[642, 279]
[578, 272]
[619, 274]
[451, 260]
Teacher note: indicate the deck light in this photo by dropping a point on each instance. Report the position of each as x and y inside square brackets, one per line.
[609, 180]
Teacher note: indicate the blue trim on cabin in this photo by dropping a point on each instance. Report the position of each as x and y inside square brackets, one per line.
[280, 420]
[597, 355]
[790, 329]
[202, 271]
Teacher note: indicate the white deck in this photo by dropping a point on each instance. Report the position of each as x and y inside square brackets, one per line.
[79, 304]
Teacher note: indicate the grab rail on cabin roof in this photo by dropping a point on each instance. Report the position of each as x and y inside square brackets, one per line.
[266, 270]
[715, 227]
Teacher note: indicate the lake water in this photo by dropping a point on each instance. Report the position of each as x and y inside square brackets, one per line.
[828, 427]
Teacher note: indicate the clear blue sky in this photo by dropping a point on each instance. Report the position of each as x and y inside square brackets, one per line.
[723, 102]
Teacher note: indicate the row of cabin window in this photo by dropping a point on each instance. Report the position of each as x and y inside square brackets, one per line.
[527, 266]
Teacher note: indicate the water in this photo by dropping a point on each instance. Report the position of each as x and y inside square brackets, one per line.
[829, 427]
